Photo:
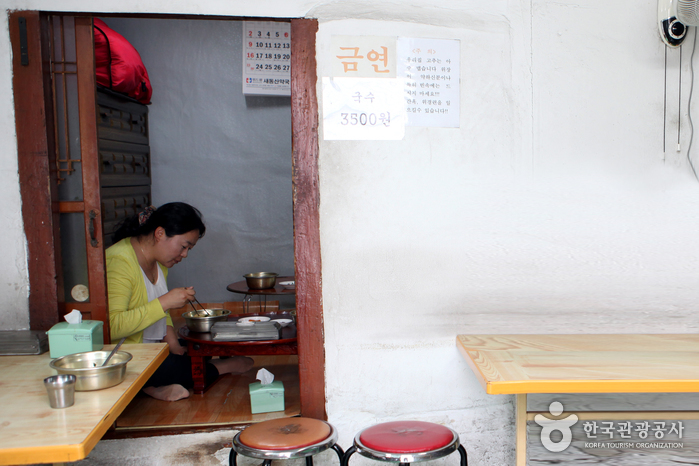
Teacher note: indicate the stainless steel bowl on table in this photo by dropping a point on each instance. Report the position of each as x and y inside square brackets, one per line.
[88, 370]
[196, 321]
[261, 280]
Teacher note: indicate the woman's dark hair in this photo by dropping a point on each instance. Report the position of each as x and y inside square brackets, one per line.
[176, 218]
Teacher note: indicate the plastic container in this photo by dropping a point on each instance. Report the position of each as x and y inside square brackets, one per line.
[266, 398]
[65, 338]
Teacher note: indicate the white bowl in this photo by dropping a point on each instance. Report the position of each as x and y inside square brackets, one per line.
[283, 322]
[245, 324]
[288, 285]
[254, 319]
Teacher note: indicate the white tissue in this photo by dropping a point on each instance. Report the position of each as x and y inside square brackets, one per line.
[265, 377]
[74, 317]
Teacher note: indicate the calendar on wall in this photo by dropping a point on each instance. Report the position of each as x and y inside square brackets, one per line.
[266, 58]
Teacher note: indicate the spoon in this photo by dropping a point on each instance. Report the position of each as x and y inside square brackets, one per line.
[113, 351]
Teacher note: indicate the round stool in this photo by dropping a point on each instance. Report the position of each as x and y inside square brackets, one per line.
[406, 442]
[283, 439]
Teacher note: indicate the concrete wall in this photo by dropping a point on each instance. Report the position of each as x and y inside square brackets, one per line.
[227, 154]
[552, 209]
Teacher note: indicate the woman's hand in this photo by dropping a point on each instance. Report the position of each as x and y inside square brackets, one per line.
[176, 348]
[172, 342]
[177, 297]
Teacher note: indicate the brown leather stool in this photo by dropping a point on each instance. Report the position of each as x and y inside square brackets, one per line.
[283, 439]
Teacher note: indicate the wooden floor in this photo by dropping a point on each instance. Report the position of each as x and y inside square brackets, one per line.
[226, 404]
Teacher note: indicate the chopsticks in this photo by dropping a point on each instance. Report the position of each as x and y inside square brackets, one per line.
[205, 311]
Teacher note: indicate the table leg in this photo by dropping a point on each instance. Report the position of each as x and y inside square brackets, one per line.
[199, 374]
[246, 303]
[521, 433]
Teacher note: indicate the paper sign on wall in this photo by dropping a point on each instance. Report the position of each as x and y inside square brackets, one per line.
[363, 56]
[382, 84]
[431, 71]
[363, 108]
[266, 58]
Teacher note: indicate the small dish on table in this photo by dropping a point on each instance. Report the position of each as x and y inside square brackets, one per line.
[282, 322]
[253, 319]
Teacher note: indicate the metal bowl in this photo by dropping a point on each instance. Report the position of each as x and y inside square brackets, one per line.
[196, 322]
[261, 280]
[88, 370]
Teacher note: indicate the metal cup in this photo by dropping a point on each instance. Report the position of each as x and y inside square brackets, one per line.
[61, 390]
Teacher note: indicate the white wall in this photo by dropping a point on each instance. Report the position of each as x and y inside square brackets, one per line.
[551, 209]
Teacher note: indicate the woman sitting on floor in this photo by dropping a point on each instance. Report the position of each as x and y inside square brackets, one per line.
[146, 246]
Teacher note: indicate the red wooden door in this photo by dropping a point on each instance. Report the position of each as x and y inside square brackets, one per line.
[56, 116]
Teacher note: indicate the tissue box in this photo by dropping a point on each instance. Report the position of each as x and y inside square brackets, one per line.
[266, 398]
[65, 338]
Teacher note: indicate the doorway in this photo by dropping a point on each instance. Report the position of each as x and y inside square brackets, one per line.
[225, 153]
[31, 89]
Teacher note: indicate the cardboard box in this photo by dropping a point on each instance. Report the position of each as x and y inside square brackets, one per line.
[65, 338]
[266, 398]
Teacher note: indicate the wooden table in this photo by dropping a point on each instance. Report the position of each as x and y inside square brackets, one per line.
[33, 432]
[523, 364]
[201, 346]
[278, 290]
[241, 287]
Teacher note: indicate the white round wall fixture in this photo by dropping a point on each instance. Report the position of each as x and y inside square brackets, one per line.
[80, 293]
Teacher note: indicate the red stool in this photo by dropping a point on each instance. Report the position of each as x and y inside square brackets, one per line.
[283, 439]
[406, 442]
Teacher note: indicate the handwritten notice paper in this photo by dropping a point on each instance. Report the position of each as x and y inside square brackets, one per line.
[363, 108]
[266, 58]
[431, 71]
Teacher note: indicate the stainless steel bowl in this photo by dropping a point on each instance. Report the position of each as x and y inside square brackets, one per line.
[261, 280]
[88, 370]
[197, 322]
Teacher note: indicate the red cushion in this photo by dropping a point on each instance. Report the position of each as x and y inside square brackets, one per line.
[118, 66]
[406, 437]
[285, 433]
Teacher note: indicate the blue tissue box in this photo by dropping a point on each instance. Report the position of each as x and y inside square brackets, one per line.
[266, 398]
[65, 338]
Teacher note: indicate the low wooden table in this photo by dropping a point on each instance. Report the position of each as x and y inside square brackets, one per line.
[201, 346]
[241, 287]
[33, 432]
[523, 364]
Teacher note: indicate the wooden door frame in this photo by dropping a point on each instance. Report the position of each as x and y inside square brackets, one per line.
[33, 115]
[39, 211]
[306, 197]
